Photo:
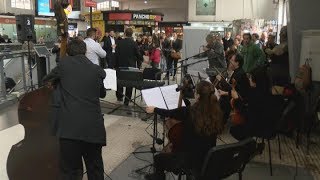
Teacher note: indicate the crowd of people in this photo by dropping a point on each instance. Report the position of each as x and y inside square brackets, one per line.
[240, 95]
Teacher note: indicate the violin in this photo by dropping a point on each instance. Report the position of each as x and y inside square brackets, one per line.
[236, 117]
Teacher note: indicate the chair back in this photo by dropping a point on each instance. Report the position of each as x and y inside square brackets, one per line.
[152, 73]
[129, 74]
[225, 160]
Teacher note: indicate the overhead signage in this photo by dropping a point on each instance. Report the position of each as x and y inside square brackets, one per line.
[143, 16]
[90, 3]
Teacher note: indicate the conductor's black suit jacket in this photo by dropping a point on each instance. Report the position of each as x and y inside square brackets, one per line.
[128, 54]
[76, 112]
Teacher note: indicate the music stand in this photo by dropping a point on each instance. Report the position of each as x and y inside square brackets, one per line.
[127, 74]
[43, 63]
[153, 148]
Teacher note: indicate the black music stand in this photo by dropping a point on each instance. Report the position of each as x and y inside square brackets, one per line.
[43, 62]
[128, 74]
[153, 148]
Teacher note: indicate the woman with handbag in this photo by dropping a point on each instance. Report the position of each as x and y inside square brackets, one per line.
[175, 55]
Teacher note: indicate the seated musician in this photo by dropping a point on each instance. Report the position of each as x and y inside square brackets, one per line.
[242, 83]
[256, 108]
[202, 122]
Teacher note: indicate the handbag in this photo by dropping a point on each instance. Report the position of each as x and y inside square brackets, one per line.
[175, 55]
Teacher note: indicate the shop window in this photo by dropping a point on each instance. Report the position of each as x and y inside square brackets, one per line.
[103, 5]
[114, 3]
[21, 4]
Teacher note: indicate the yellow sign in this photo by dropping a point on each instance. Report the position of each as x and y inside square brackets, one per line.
[68, 10]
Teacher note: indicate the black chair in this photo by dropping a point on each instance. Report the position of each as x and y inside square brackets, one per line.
[281, 108]
[224, 160]
[153, 74]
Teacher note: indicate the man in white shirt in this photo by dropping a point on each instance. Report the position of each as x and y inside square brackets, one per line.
[94, 49]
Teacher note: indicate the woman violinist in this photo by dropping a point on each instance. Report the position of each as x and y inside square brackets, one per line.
[202, 122]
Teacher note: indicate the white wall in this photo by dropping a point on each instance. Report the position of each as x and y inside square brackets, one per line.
[229, 10]
[302, 16]
[7, 8]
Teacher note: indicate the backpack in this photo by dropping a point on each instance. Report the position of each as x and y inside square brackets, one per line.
[303, 77]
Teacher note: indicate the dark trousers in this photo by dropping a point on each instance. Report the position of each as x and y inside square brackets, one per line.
[177, 162]
[111, 60]
[128, 94]
[71, 154]
[103, 63]
[169, 65]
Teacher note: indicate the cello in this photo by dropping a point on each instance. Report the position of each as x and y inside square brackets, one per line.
[236, 117]
[175, 127]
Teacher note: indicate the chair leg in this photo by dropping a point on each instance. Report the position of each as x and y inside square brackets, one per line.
[135, 95]
[240, 175]
[279, 145]
[270, 158]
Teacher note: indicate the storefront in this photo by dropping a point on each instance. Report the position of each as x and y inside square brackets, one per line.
[43, 27]
[140, 21]
[170, 27]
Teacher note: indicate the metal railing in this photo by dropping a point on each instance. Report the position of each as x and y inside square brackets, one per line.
[6, 55]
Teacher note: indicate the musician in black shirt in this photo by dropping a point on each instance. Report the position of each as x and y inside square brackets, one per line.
[201, 122]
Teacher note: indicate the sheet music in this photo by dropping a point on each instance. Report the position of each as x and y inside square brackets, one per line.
[153, 97]
[171, 96]
[110, 82]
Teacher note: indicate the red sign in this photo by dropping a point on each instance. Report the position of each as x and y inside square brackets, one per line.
[90, 3]
[120, 16]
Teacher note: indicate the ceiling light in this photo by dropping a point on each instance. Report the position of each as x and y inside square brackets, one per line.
[145, 1]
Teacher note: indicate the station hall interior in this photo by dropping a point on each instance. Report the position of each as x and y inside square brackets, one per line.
[155, 60]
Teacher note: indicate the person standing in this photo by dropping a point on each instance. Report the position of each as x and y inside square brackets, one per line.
[76, 113]
[252, 54]
[94, 49]
[227, 41]
[109, 45]
[127, 55]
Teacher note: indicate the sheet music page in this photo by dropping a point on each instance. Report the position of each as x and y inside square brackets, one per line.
[171, 96]
[110, 82]
[153, 97]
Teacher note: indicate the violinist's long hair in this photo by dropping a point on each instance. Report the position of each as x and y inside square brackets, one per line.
[206, 113]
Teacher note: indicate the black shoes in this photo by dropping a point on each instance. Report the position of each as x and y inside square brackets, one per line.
[260, 148]
[154, 176]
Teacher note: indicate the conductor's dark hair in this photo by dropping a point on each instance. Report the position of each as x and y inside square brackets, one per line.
[128, 32]
[76, 47]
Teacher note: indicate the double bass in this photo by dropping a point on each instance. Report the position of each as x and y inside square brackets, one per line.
[36, 157]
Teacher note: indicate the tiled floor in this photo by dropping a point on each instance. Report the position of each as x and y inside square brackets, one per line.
[126, 132]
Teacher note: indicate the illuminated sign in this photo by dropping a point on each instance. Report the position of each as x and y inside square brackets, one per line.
[43, 9]
[144, 16]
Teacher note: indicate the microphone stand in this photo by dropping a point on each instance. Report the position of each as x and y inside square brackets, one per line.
[182, 62]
